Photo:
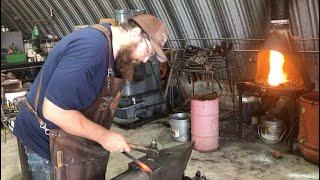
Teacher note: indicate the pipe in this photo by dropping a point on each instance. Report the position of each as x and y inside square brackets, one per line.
[279, 9]
[196, 39]
[157, 80]
[255, 50]
[236, 39]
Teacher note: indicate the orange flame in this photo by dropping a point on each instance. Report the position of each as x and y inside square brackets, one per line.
[276, 74]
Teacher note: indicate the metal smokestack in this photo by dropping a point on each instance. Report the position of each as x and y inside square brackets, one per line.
[280, 39]
[279, 10]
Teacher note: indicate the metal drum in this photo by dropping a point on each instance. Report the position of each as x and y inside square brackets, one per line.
[205, 122]
[309, 127]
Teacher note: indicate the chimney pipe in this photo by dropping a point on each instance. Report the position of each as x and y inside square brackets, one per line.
[280, 39]
[279, 10]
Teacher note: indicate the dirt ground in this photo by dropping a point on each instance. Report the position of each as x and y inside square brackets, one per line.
[235, 159]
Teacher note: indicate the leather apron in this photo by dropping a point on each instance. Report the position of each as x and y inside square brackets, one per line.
[74, 157]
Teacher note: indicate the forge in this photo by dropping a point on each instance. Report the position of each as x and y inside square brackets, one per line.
[281, 76]
[279, 64]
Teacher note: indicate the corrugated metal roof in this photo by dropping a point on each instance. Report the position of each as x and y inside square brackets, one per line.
[184, 20]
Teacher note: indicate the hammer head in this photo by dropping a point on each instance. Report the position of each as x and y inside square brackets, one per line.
[151, 151]
[152, 154]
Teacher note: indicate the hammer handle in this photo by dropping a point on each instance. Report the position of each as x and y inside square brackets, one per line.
[137, 147]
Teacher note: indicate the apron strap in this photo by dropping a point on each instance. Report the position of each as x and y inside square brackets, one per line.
[106, 32]
[36, 99]
[25, 102]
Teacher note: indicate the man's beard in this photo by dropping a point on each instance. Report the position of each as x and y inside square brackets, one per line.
[125, 63]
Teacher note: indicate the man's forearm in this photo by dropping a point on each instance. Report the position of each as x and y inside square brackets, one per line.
[73, 122]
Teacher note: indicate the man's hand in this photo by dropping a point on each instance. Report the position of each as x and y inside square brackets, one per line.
[114, 142]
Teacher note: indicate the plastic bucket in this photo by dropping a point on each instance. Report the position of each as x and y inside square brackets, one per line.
[180, 126]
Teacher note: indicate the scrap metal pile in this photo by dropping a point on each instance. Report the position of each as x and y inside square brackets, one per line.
[205, 60]
[211, 65]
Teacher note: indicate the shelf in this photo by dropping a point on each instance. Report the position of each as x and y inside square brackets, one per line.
[19, 66]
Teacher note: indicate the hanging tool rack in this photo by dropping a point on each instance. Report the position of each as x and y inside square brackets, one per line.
[209, 65]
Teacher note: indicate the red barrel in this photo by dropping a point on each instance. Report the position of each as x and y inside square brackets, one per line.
[309, 127]
[205, 122]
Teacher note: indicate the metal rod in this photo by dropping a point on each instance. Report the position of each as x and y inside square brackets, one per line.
[240, 91]
[155, 77]
[246, 50]
[238, 39]
[257, 50]
[250, 50]
[142, 165]
[202, 70]
[307, 39]
[37, 21]
[168, 82]
[195, 39]
[14, 69]
[308, 51]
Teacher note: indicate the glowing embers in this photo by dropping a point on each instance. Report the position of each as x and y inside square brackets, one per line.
[276, 74]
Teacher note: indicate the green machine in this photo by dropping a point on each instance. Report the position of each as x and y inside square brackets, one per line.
[14, 55]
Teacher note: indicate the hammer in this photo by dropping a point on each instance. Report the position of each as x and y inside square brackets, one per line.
[151, 152]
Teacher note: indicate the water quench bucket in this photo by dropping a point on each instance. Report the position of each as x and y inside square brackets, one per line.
[180, 126]
[309, 127]
[271, 130]
[205, 122]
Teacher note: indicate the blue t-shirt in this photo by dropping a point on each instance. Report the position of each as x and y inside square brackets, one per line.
[74, 74]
